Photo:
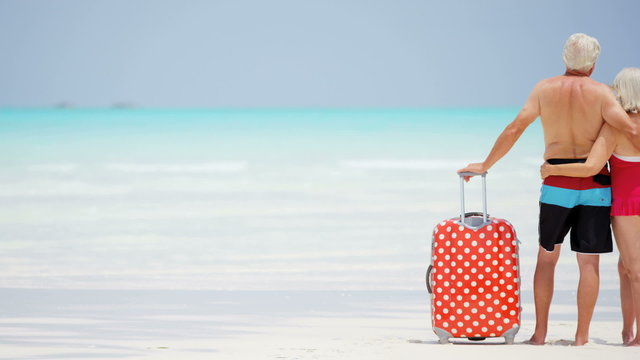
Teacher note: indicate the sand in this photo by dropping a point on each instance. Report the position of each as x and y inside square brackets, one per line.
[179, 324]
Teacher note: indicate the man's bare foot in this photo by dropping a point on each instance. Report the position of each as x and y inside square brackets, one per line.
[535, 340]
[627, 337]
[580, 341]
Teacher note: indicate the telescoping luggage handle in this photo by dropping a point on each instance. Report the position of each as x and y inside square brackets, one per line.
[485, 216]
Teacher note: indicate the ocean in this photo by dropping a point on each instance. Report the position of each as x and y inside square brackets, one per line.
[252, 199]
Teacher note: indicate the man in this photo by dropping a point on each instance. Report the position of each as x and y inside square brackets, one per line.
[572, 108]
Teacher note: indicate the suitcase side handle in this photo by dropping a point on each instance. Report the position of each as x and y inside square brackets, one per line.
[484, 194]
[429, 279]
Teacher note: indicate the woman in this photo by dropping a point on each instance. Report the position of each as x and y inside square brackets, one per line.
[624, 160]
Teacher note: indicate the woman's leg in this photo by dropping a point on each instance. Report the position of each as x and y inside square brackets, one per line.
[627, 232]
[626, 303]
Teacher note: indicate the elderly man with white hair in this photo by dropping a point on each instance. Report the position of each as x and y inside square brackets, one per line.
[572, 108]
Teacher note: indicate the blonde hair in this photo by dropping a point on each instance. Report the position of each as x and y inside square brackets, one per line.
[580, 52]
[627, 88]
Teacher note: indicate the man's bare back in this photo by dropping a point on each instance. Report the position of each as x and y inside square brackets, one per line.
[571, 114]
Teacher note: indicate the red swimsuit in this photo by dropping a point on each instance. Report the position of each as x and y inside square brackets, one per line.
[625, 185]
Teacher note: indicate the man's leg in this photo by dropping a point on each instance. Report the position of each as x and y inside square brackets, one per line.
[587, 294]
[543, 291]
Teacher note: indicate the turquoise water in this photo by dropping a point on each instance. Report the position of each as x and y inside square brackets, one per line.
[248, 199]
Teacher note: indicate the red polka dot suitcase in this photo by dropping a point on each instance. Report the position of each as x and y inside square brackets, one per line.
[474, 276]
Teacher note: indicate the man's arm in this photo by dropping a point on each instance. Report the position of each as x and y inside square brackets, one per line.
[615, 115]
[528, 114]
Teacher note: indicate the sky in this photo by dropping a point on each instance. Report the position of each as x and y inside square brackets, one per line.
[297, 53]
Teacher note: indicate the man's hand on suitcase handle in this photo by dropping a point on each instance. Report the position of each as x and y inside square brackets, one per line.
[476, 168]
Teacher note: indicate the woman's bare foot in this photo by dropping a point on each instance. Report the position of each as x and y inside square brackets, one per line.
[634, 342]
[627, 337]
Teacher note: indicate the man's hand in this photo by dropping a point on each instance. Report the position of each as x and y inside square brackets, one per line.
[475, 168]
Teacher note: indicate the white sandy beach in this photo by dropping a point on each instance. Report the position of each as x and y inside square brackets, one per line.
[173, 324]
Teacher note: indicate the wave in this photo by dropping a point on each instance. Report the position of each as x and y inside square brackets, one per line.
[196, 168]
[404, 164]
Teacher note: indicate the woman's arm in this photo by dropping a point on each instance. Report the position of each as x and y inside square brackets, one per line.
[600, 153]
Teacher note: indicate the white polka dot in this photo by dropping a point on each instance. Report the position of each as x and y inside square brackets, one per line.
[489, 227]
[488, 296]
[468, 330]
[499, 328]
[466, 304]
[473, 283]
[495, 289]
[481, 303]
[459, 297]
[447, 257]
[460, 243]
[500, 255]
[460, 323]
[480, 263]
[483, 316]
[453, 331]
[509, 287]
[446, 270]
[453, 264]
[460, 228]
[467, 236]
[459, 311]
[480, 250]
[488, 256]
[492, 334]
[484, 329]
[504, 307]
[507, 249]
[495, 235]
[459, 271]
[459, 284]
[481, 236]
[510, 300]
[498, 315]
[474, 243]
[453, 250]
[453, 277]
[474, 310]
[508, 262]
[495, 249]
[439, 277]
[446, 297]
[495, 275]
[501, 268]
[490, 309]
[441, 250]
[488, 243]
[448, 228]
[501, 228]
[452, 317]
[473, 270]
[446, 284]
[466, 276]
[507, 274]
[441, 236]
[454, 235]
[453, 290]
[445, 324]
[491, 322]
[508, 235]
[466, 291]
[512, 312]
[503, 294]
[480, 290]
[445, 310]
[474, 297]
[438, 316]
[487, 269]
[466, 264]
[460, 257]
[467, 250]
[475, 323]
[496, 302]
[480, 276]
